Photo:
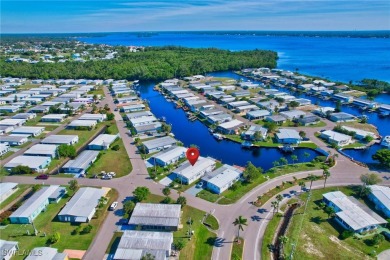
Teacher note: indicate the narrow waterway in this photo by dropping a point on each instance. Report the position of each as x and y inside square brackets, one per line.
[196, 133]
[382, 124]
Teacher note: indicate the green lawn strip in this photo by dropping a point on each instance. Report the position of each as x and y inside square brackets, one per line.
[267, 143]
[211, 222]
[84, 135]
[5, 156]
[21, 188]
[269, 236]
[238, 249]
[46, 222]
[208, 195]
[98, 91]
[353, 145]
[230, 196]
[309, 145]
[321, 234]
[112, 161]
[34, 121]
[23, 145]
[319, 124]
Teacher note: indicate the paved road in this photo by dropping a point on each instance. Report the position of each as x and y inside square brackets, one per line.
[345, 172]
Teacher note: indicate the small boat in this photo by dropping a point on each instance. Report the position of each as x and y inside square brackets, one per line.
[218, 137]
[163, 119]
[246, 144]
[287, 148]
[136, 82]
[211, 130]
[386, 141]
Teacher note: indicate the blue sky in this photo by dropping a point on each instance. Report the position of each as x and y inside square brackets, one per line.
[31, 16]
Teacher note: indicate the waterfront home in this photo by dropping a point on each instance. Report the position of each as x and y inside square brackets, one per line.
[133, 108]
[140, 244]
[323, 111]
[250, 133]
[305, 87]
[146, 120]
[35, 163]
[341, 117]
[36, 204]
[343, 97]
[60, 139]
[292, 114]
[102, 142]
[364, 103]
[236, 104]
[139, 114]
[308, 120]
[384, 109]
[4, 148]
[213, 83]
[244, 109]
[207, 113]
[12, 122]
[230, 127]
[28, 130]
[277, 119]
[288, 98]
[303, 101]
[96, 117]
[187, 173]
[148, 128]
[359, 134]
[249, 85]
[54, 118]
[219, 118]
[288, 136]
[7, 189]
[272, 105]
[240, 94]
[79, 124]
[351, 214]
[336, 138]
[169, 156]
[81, 163]
[8, 249]
[13, 140]
[156, 217]
[226, 88]
[257, 114]
[127, 99]
[46, 253]
[45, 150]
[82, 206]
[159, 144]
[222, 178]
[380, 196]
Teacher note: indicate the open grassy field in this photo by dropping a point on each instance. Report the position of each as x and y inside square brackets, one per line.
[84, 135]
[238, 250]
[319, 235]
[21, 188]
[365, 127]
[47, 223]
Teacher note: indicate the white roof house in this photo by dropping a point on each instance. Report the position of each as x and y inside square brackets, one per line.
[53, 118]
[42, 150]
[151, 216]
[292, 114]
[146, 120]
[82, 123]
[96, 117]
[159, 144]
[170, 155]
[36, 163]
[335, 137]
[81, 163]
[102, 142]
[8, 249]
[12, 122]
[60, 139]
[81, 207]
[139, 114]
[13, 140]
[350, 214]
[189, 173]
[136, 244]
[230, 127]
[29, 130]
[288, 136]
[46, 253]
[380, 195]
[257, 114]
[7, 189]
[222, 178]
[359, 134]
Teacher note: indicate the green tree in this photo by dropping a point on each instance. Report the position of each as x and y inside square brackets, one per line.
[251, 172]
[180, 244]
[283, 161]
[116, 147]
[95, 98]
[73, 185]
[378, 239]
[338, 106]
[181, 200]
[326, 174]
[166, 128]
[274, 205]
[141, 193]
[148, 256]
[240, 222]
[128, 207]
[276, 163]
[330, 211]
[87, 229]
[258, 136]
[279, 198]
[370, 179]
[302, 184]
[294, 158]
[302, 134]
[21, 169]
[383, 156]
[271, 126]
[65, 150]
[166, 191]
[293, 104]
[54, 238]
[110, 116]
[306, 155]
[312, 178]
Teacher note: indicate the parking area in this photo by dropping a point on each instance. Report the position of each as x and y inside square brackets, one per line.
[194, 190]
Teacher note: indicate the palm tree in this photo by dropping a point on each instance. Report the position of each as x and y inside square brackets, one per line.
[276, 163]
[240, 222]
[294, 158]
[312, 178]
[302, 184]
[330, 211]
[274, 204]
[306, 155]
[326, 174]
[279, 198]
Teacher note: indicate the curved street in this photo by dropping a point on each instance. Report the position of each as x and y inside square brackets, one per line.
[345, 172]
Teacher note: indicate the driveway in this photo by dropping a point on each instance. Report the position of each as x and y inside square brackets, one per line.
[167, 180]
[194, 190]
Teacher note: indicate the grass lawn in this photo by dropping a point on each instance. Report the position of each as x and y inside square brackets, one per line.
[112, 161]
[268, 237]
[319, 236]
[98, 91]
[231, 196]
[212, 222]
[208, 195]
[6, 155]
[21, 188]
[33, 121]
[318, 124]
[310, 145]
[365, 127]
[46, 223]
[84, 135]
[238, 249]
[267, 143]
[353, 145]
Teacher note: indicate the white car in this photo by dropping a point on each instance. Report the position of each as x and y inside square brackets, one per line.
[113, 205]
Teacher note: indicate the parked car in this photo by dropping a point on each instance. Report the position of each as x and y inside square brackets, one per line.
[106, 177]
[42, 177]
[199, 184]
[95, 176]
[113, 205]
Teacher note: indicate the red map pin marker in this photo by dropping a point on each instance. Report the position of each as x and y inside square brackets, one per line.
[192, 155]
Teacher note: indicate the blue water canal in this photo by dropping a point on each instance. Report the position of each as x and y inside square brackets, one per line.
[196, 133]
